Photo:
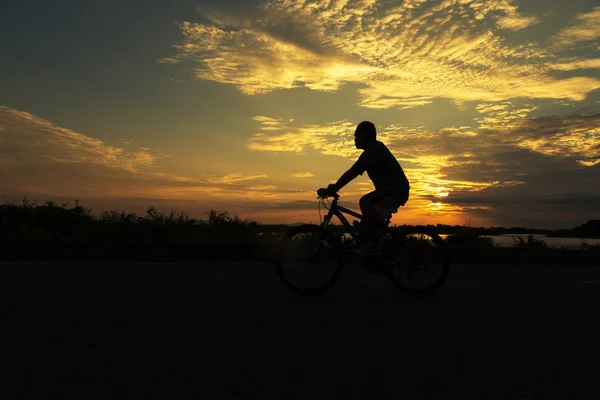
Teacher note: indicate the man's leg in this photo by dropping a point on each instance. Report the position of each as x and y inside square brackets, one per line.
[372, 221]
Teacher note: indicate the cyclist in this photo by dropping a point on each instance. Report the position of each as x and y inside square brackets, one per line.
[391, 185]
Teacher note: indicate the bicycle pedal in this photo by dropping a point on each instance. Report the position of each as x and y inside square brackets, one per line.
[374, 267]
[375, 271]
[370, 270]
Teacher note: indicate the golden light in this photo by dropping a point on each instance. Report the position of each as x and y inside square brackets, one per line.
[436, 205]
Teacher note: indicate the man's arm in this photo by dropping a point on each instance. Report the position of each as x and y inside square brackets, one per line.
[346, 178]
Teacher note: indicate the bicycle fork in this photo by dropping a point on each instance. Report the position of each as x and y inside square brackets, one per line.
[322, 240]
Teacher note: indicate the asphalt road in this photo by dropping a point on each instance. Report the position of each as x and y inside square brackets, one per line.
[230, 331]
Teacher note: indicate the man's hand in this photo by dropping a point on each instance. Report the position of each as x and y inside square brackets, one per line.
[328, 191]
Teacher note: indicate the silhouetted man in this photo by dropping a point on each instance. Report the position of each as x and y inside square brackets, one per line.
[391, 186]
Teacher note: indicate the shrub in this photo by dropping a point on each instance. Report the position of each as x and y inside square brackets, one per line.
[530, 243]
[471, 240]
[47, 221]
[224, 219]
[51, 221]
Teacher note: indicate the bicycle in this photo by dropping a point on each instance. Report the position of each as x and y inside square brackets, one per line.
[405, 252]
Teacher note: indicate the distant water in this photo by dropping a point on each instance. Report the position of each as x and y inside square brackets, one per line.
[508, 240]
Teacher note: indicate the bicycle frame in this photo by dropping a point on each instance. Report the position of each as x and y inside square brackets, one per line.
[338, 211]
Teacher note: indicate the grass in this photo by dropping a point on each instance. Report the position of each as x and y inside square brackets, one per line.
[469, 240]
[50, 221]
[466, 238]
[530, 243]
[30, 229]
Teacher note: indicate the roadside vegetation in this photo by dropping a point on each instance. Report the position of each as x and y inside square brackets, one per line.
[30, 221]
[30, 229]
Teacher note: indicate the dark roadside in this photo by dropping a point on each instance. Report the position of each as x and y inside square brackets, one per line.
[169, 251]
[232, 331]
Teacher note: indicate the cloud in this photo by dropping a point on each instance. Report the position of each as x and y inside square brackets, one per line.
[492, 107]
[46, 141]
[403, 54]
[294, 139]
[517, 22]
[573, 64]
[262, 187]
[555, 193]
[267, 120]
[503, 116]
[234, 178]
[47, 162]
[302, 175]
[585, 28]
[537, 163]
[258, 62]
[509, 169]
[507, 152]
[506, 13]
[575, 136]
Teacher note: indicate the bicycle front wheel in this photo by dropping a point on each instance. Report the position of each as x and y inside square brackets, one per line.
[418, 261]
[309, 260]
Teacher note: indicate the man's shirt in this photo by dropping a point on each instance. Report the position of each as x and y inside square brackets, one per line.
[383, 169]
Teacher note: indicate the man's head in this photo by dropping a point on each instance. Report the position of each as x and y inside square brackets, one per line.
[364, 134]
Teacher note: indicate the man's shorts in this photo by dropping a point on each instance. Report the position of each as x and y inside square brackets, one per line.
[385, 203]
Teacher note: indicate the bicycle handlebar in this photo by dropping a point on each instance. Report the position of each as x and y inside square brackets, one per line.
[323, 194]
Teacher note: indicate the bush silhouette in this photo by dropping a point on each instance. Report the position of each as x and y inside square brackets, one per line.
[30, 221]
[469, 240]
[530, 243]
[465, 237]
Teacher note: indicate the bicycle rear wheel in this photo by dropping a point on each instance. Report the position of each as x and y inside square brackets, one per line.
[309, 260]
[417, 261]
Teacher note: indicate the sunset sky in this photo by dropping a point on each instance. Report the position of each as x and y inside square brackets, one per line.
[492, 107]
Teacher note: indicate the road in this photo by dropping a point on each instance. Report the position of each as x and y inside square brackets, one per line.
[232, 331]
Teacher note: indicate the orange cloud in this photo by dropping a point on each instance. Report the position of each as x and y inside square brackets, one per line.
[41, 160]
[405, 56]
[455, 172]
[234, 178]
[302, 175]
[585, 28]
[334, 138]
[517, 22]
[47, 141]
[458, 159]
